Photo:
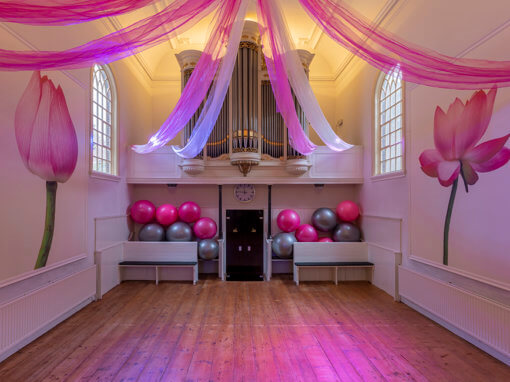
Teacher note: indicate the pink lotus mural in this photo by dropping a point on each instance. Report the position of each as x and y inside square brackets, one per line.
[47, 144]
[456, 136]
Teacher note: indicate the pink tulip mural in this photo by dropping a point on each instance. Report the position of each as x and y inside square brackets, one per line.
[47, 144]
[456, 136]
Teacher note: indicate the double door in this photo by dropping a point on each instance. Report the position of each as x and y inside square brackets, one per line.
[245, 244]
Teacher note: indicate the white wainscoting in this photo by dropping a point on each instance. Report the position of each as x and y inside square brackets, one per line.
[384, 237]
[110, 233]
[481, 321]
[327, 166]
[24, 319]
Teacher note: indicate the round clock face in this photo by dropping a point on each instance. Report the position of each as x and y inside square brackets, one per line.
[244, 192]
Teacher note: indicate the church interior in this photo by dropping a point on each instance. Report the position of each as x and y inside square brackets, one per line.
[254, 190]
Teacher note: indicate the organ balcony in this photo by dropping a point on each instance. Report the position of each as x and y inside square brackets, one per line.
[249, 142]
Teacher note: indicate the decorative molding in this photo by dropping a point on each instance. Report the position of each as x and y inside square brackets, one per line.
[30, 274]
[383, 14]
[21, 39]
[460, 272]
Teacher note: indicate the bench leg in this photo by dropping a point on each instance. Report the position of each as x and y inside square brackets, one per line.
[195, 274]
[336, 275]
[157, 275]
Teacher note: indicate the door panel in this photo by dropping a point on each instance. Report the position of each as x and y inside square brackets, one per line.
[245, 249]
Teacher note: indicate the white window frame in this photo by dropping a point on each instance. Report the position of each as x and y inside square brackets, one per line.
[114, 136]
[377, 151]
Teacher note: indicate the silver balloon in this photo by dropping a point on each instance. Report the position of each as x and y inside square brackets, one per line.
[346, 232]
[283, 244]
[208, 249]
[324, 219]
[179, 232]
[151, 232]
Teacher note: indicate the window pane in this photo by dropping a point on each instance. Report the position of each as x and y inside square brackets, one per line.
[102, 109]
[389, 133]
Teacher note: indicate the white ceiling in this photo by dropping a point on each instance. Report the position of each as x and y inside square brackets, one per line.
[159, 62]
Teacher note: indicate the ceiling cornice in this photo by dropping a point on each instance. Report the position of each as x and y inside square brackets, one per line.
[382, 17]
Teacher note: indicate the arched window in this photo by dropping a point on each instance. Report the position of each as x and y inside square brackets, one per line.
[389, 124]
[103, 140]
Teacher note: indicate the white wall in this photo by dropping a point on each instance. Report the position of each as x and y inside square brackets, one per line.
[79, 200]
[478, 240]
[305, 199]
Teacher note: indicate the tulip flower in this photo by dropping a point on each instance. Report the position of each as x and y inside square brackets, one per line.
[456, 136]
[47, 144]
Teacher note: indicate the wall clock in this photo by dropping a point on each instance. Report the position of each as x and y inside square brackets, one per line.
[244, 192]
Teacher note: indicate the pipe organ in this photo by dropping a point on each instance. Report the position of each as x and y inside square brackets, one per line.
[249, 128]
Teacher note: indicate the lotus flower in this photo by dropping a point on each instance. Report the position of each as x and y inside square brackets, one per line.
[456, 136]
[47, 144]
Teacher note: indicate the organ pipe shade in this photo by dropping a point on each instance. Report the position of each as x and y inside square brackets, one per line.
[218, 142]
[273, 127]
[291, 153]
[244, 88]
[194, 119]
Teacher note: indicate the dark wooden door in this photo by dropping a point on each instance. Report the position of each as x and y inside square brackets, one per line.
[245, 244]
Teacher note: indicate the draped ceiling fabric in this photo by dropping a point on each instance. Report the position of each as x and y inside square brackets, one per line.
[64, 12]
[146, 33]
[216, 51]
[353, 31]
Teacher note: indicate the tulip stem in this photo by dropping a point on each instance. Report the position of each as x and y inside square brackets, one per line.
[447, 221]
[49, 224]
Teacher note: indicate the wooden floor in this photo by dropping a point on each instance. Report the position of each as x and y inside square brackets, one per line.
[252, 331]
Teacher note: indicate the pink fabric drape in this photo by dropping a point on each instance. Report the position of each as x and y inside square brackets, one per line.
[284, 67]
[214, 103]
[174, 19]
[273, 50]
[386, 51]
[196, 89]
[64, 12]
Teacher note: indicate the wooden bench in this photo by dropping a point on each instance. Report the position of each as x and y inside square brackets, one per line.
[331, 255]
[158, 255]
[162, 264]
[334, 266]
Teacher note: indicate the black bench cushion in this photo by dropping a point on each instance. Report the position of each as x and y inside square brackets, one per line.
[334, 264]
[158, 263]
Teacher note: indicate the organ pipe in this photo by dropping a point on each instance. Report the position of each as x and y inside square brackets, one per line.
[238, 129]
[245, 99]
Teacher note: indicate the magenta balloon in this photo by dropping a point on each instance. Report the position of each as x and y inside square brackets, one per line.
[347, 211]
[325, 240]
[205, 228]
[189, 212]
[142, 211]
[288, 220]
[167, 214]
[306, 232]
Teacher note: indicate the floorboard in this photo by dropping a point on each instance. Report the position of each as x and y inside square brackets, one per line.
[249, 331]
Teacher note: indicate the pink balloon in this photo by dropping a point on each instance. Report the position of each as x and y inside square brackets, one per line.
[325, 240]
[189, 212]
[347, 211]
[288, 220]
[167, 214]
[306, 232]
[205, 228]
[142, 211]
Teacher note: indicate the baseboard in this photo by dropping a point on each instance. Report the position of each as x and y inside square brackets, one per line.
[43, 329]
[481, 321]
[33, 314]
[462, 334]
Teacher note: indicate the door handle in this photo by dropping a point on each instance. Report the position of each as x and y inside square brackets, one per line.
[249, 248]
[240, 248]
